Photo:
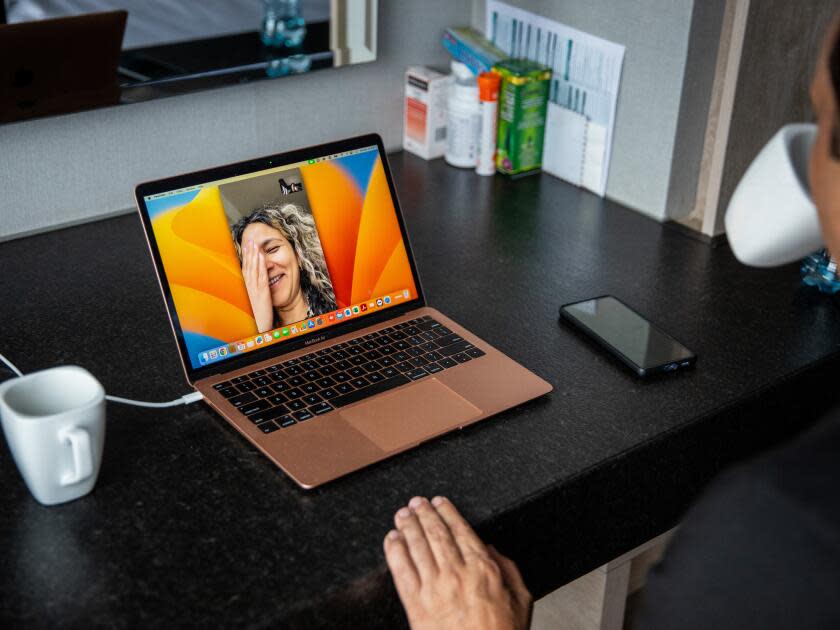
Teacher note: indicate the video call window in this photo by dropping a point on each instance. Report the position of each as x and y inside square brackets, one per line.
[278, 247]
[264, 257]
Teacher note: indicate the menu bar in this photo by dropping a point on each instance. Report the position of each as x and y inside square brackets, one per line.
[278, 169]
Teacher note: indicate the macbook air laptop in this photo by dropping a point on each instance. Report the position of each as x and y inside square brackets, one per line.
[299, 313]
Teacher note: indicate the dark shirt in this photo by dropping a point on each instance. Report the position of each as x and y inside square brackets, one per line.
[761, 550]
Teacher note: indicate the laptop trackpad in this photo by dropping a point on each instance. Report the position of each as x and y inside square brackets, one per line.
[410, 415]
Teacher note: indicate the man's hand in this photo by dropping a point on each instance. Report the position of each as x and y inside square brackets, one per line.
[447, 577]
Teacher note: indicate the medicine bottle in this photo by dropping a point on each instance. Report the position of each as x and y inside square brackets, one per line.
[488, 101]
[463, 119]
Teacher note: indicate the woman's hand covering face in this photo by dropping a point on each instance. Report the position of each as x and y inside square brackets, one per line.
[256, 282]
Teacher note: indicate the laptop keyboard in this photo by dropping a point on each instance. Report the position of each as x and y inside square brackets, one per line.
[299, 389]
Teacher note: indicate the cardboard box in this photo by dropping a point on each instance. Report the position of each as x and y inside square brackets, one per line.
[523, 99]
[470, 48]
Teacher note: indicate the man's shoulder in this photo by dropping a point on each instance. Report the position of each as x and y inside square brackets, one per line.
[762, 544]
[793, 486]
[800, 478]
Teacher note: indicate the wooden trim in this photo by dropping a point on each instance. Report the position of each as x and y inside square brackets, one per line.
[705, 218]
[353, 25]
[692, 227]
[660, 541]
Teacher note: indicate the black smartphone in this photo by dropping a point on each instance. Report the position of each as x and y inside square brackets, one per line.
[628, 336]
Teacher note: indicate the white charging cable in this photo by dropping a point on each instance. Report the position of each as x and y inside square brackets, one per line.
[10, 365]
[186, 399]
[183, 400]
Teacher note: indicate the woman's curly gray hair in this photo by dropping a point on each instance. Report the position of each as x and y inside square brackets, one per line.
[298, 227]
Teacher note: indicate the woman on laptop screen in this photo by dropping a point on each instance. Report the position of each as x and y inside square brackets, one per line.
[283, 265]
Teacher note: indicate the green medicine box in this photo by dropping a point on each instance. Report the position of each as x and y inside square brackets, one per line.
[523, 100]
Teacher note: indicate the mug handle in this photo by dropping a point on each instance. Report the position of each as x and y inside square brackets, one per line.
[82, 455]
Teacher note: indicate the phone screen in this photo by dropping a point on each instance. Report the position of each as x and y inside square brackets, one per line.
[627, 332]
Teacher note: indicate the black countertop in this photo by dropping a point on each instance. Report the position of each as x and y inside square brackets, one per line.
[190, 526]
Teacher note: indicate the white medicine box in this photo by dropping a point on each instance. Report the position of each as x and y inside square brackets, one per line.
[424, 120]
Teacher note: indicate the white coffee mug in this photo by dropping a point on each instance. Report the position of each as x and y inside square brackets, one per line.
[54, 423]
[771, 219]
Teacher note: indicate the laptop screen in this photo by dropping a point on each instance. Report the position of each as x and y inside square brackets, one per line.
[265, 257]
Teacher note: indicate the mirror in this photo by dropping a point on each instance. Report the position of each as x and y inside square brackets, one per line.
[61, 56]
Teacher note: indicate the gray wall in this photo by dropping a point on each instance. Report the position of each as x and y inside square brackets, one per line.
[243, 196]
[72, 168]
[656, 36]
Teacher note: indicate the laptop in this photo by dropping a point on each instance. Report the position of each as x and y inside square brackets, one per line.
[299, 314]
[60, 65]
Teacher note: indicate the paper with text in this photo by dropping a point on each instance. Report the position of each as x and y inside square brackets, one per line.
[586, 75]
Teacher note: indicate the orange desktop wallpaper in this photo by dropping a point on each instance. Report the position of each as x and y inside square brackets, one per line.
[357, 225]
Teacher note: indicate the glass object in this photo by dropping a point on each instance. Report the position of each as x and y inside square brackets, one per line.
[294, 64]
[278, 67]
[299, 64]
[283, 25]
[820, 270]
